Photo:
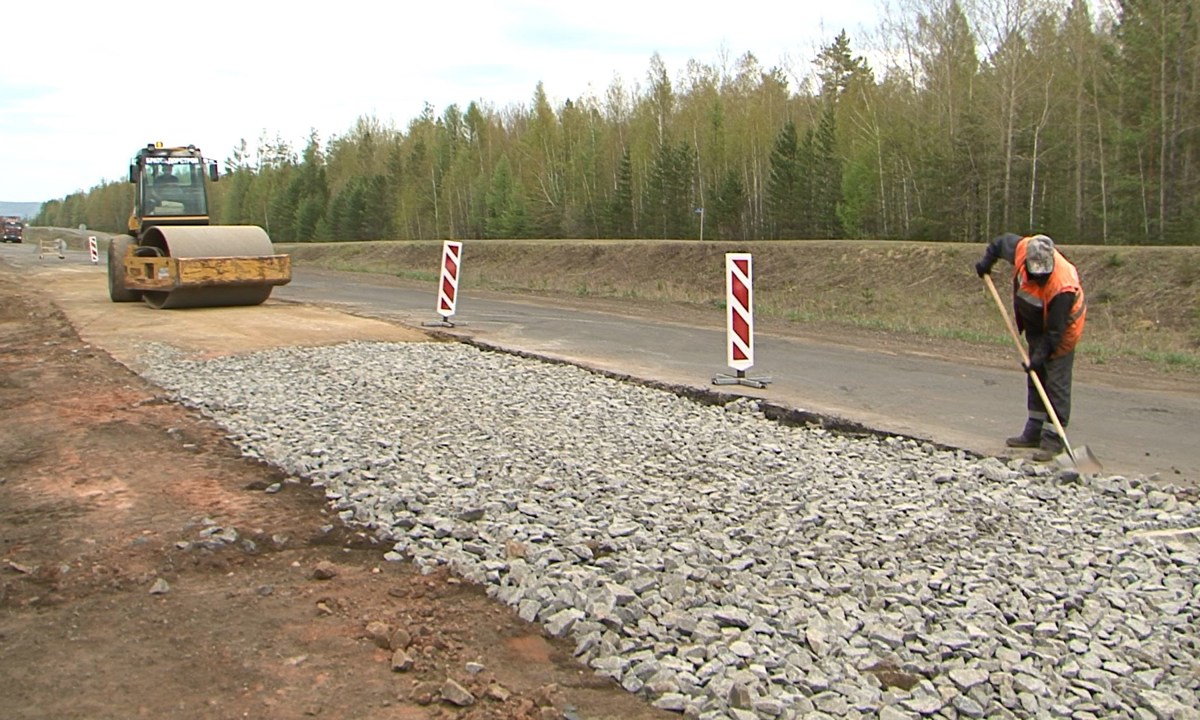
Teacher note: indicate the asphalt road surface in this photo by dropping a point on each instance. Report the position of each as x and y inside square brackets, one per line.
[1132, 431]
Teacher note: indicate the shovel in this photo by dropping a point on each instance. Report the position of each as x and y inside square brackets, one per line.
[1080, 458]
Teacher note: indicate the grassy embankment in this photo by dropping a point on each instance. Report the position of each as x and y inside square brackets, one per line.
[1144, 302]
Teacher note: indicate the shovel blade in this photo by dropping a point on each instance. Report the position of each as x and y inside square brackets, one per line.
[1081, 459]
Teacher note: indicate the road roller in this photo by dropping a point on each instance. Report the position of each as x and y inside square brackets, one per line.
[172, 257]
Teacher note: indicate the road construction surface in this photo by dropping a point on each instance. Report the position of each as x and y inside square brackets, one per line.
[148, 569]
[1135, 425]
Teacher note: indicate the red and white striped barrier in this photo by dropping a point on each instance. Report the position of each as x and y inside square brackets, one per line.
[448, 291]
[448, 284]
[739, 304]
[739, 333]
[93, 251]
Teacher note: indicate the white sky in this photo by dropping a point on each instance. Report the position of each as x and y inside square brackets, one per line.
[84, 84]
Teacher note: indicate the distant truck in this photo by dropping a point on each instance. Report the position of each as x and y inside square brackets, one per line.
[14, 229]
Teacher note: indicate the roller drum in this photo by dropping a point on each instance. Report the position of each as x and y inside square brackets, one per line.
[209, 242]
[199, 241]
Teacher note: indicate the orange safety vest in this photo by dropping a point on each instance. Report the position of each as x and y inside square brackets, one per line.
[1064, 278]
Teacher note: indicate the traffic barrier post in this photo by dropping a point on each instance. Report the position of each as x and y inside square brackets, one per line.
[739, 315]
[93, 250]
[447, 300]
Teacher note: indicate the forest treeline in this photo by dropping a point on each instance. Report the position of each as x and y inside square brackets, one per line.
[979, 117]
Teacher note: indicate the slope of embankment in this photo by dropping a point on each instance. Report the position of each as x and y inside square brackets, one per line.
[1144, 302]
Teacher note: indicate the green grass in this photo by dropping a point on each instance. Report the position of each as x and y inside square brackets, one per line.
[972, 336]
[1187, 361]
[1167, 360]
[1188, 272]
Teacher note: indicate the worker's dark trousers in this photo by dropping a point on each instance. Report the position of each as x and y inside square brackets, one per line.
[1056, 379]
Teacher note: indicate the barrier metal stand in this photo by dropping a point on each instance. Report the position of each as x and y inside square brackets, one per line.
[739, 345]
[58, 247]
[444, 322]
[448, 287]
[741, 378]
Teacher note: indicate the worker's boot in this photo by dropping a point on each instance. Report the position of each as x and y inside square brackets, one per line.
[1049, 448]
[1030, 437]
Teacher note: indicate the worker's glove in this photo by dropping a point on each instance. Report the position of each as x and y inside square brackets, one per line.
[982, 268]
[1036, 364]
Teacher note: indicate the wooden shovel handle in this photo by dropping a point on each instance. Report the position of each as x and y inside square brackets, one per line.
[1037, 382]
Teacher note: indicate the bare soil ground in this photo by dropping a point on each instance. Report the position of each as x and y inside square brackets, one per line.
[148, 570]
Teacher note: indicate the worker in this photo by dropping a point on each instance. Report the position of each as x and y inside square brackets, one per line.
[161, 190]
[1051, 310]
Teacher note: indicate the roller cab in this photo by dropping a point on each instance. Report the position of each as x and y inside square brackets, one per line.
[172, 257]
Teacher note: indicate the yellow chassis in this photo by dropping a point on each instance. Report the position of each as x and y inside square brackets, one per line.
[164, 274]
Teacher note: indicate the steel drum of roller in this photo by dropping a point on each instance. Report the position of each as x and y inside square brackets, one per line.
[209, 242]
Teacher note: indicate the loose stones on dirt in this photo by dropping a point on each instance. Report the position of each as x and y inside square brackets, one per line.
[401, 661]
[325, 570]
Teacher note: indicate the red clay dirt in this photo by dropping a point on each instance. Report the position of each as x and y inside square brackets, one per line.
[147, 569]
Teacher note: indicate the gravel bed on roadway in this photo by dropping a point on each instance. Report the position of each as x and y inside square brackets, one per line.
[727, 566]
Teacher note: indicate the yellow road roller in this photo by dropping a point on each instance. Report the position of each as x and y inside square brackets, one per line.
[172, 257]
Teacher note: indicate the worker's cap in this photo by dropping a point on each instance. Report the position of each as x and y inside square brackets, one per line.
[1039, 255]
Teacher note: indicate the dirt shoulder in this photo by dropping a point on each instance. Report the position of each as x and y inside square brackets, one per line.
[148, 570]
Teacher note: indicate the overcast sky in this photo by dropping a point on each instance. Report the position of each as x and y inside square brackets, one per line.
[84, 84]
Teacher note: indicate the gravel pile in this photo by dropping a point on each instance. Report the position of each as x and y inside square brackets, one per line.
[724, 565]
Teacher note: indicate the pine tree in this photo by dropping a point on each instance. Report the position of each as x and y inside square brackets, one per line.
[669, 204]
[377, 209]
[282, 209]
[728, 206]
[837, 68]
[827, 178]
[506, 211]
[621, 216]
[784, 191]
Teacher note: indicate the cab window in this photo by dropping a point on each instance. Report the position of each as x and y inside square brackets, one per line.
[173, 188]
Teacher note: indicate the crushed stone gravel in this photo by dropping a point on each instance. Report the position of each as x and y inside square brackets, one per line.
[723, 565]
